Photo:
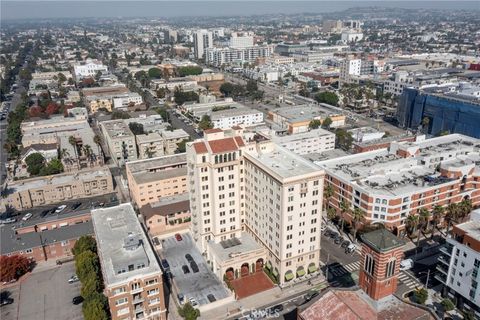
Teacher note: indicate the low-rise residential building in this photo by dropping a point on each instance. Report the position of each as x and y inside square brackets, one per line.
[120, 141]
[228, 118]
[171, 139]
[152, 179]
[88, 68]
[131, 274]
[168, 215]
[389, 185]
[149, 145]
[459, 265]
[314, 141]
[124, 101]
[29, 193]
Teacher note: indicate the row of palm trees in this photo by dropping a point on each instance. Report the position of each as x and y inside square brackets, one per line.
[85, 150]
[423, 221]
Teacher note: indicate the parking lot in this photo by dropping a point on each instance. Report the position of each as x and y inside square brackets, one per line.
[45, 295]
[197, 285]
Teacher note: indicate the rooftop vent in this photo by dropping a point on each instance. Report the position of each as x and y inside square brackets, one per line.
[132, 241]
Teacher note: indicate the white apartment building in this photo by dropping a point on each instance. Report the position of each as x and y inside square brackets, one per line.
[124, 100]
[459, 264]
[241, 40]
[219, 56]
[256, 190]
[202, 39]
[314, 141]
[232, 117]
[349, 36]
[350, 67]
[120, 141]
[89, 68]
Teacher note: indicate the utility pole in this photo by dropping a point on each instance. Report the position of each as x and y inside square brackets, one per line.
[428, 276]
[326, 272]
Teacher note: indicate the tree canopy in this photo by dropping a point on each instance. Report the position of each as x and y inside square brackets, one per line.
[87, 265]
[189, 71]
[188, 312]
[327, 122]
[35, 162]
[183, 96]
[13, 267]
[327, 97]
[136, 128]
[205, 123]
[154, 73]
[84, 243]
[95, 307]
[314, 124]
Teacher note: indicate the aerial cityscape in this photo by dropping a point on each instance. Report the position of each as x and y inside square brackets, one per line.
[310, 160]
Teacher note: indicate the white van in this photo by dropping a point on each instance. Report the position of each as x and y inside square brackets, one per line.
[406, 264]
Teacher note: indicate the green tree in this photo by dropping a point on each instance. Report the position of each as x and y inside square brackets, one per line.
[154, 73]
[344, 210]
[343, 139]
[163, 112]
[189, 71]
[84, 243]
[87, 265]
[188, 312]
[136, 128]
[451, 215]
[35, 163]
[468, 315]
[161, 93]
[327, 97]
[412, 223]
[25, 74]
[181, 96]
[420, 295]
[327, 122]
[328, 192]
[357, 217]
[90, 286]
[119, 114]
[227, 89]
[252, 86]
[54, 166]
[95, 307]
[448, 305]
[314, 124]
[205, 123]
[181, 146]
[437, 214]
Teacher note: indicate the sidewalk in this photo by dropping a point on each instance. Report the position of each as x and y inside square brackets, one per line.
[261, 299]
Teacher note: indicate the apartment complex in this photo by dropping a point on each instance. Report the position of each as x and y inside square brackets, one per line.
[459, 265]
[40, 191]
[225, 119]
[389, 185]
[202, 39]
[149, 180]
[149, 145]
[219, 56]
[314, 141]
[120, 141]
[89, 68]
[131, 274]
[257, 190]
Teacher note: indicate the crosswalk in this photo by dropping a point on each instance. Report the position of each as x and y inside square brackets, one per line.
[349, 268]
[408, 280]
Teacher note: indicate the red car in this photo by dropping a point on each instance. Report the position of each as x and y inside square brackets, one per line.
[178, 237]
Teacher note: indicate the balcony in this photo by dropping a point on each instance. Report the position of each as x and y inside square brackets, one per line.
[441, 277]
[136, 290]
[442, 268]
[444, 260]
[447, 249]
[138, 299]
[139, 308]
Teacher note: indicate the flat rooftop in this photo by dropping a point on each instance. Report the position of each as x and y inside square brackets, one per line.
[117, 129]
[147, 138]
[303, 112]
[382, 240]
[175, 134]
[159, 168]
[283, 163]
[228, 249]
[304, 135]
[233, 113]
[59, 179]
[471, 228]
[124, 250]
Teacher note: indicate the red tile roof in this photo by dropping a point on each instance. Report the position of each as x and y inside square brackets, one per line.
[217, 130]
[223, 145]
[200, 147]
[239, 141]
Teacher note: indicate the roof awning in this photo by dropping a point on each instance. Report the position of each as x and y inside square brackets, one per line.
[268, 265]
[300, 272]
[289, 276]
[312, 268]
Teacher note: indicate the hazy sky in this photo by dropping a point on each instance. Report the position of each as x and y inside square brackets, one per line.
[17, 9]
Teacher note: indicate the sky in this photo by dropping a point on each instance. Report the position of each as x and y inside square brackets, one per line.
[19, 9]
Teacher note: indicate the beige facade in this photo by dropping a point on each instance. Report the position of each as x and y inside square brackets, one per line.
[259, 188]
[152, 179]
[149, 145]
[29, 193]
[171, 139]
[120, 141]
[96, 103]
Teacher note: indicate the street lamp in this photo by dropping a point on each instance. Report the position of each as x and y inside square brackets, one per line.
[428, 276]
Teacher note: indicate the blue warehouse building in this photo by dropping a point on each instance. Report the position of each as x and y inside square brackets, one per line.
[455, 113]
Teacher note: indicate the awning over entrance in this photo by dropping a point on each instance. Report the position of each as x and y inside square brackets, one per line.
[289, 275]
[300, 272]
[275, 272]
[268, 265]
[312, 268]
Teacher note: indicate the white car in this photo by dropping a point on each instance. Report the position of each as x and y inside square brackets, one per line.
[61, 208]
[193, 302]
[406, 264]
[27, 216]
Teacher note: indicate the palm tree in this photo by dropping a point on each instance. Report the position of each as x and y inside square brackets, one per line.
[327, 194]
[98, 142]
[437, 214]
[87, 151]
[149, 153]
[73, 141]
[451, 215]
[344, 208]
[64, 154]
[331, 213]
[412, 222]
[424, 218]
[464, 208]
[357, 216]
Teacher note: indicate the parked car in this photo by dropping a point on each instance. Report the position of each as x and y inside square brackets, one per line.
[351, 248]
[194, 266]
[165, 265]
[5, 301]
[178, 237]
[181, 298]
[345, 244]
[73, 279]
[211, 298]
[185, 269]
[77, 300]
[193, 302]
[406, 264]
[8, 220]
[309, 296]
[189, 258]
[333, 234]
[27, 216]
[338, 240]
[75, 205]
[44, 213]
[60, 208]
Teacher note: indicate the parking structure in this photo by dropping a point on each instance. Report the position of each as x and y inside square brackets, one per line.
[197, 285]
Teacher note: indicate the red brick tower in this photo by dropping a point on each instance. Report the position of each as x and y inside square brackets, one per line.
[382, 253]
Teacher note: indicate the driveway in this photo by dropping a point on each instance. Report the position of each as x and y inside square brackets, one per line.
[45, 295]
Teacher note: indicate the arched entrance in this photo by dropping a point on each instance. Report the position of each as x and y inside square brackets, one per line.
[312, 267]
[289, 275]
[230, 274]
[300, 272]
[244, 270]
[259, 265]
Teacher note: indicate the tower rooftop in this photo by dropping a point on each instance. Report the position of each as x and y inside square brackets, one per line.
[382, 240]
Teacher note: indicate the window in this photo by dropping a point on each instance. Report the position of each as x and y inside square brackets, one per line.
[151, 281]
[390, 270]
[369, 266]
[118, 291]
[121, 301]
